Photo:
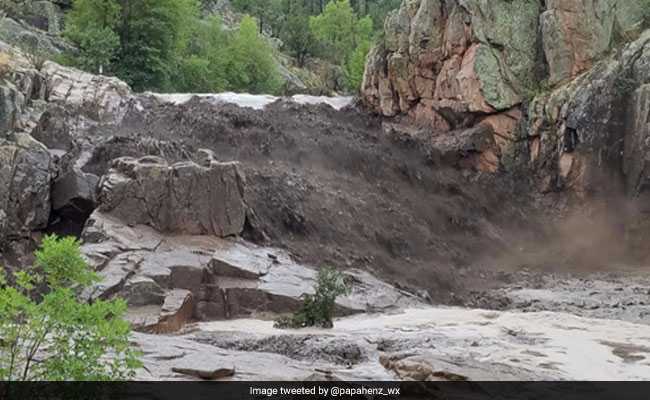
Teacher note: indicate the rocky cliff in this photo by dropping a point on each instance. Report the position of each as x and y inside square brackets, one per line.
[454, 64]
[558, 85]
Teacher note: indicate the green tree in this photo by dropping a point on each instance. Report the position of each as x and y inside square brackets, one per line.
[356, 65]
[91, 25]
[148, 32]
[269, 13]
[248, 63]
[47, 333]
[318, 309]
[200, 58]
[335, 30]
[97, 49]
[297, 37]
[339, 30]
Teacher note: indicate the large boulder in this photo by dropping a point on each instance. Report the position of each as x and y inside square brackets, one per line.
[25, 181]
[185, 197]
[96, 98]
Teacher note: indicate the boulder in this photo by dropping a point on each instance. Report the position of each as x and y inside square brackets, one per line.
[75, 190]
[176, 311]
[416, 369]
[25, 179]
[205, 374]
[470, 148]
[182, 198]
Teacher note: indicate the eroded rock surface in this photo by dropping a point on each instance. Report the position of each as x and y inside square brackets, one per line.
[453, 65]
[170, 280]
[186, 197]
[25, 177]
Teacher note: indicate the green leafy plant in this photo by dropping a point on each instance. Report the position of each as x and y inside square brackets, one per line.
[343, 38]
[318, 309]
[48, 333]
[249, 63]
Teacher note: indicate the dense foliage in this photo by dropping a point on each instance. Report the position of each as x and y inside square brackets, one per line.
[166, 45]
[47, 333]
[318, 309]
[340, 31]
[213, 60]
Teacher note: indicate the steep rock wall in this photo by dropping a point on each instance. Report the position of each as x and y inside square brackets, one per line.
[450, 65]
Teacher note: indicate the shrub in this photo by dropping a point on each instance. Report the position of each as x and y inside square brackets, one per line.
[318, 309]
[47, 333]
[36, 55]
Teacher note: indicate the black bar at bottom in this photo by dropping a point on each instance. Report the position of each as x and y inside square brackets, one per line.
[324, 390]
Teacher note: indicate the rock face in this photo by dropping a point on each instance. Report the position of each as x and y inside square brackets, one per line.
[25, 181]
[169, 280]
[186, 197]
[43, 14]
[455, 64]
[453, 58]
[560, 85]
[576, 33]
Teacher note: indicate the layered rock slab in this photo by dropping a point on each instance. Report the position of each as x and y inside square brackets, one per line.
[225, 278]
[185, 197]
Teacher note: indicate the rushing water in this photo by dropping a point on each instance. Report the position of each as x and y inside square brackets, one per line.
[254, 101]
[543, 345]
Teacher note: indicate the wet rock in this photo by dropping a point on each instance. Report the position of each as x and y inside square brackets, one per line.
[210, 375]
[470, 57]
[294, 346]
[182, 197]
[99, 99]
[161, 353]
[413, 369]
[577, 32]
[227, 279]
[176, 311]
[253, 281]
[591, 132]
[25, 179]
[142, 291]
[75, 190]
[105, 232]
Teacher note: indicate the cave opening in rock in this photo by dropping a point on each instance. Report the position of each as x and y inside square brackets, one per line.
[70, 219]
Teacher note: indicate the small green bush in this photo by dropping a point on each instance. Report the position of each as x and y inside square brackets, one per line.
[48, 333]
[318, 309]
